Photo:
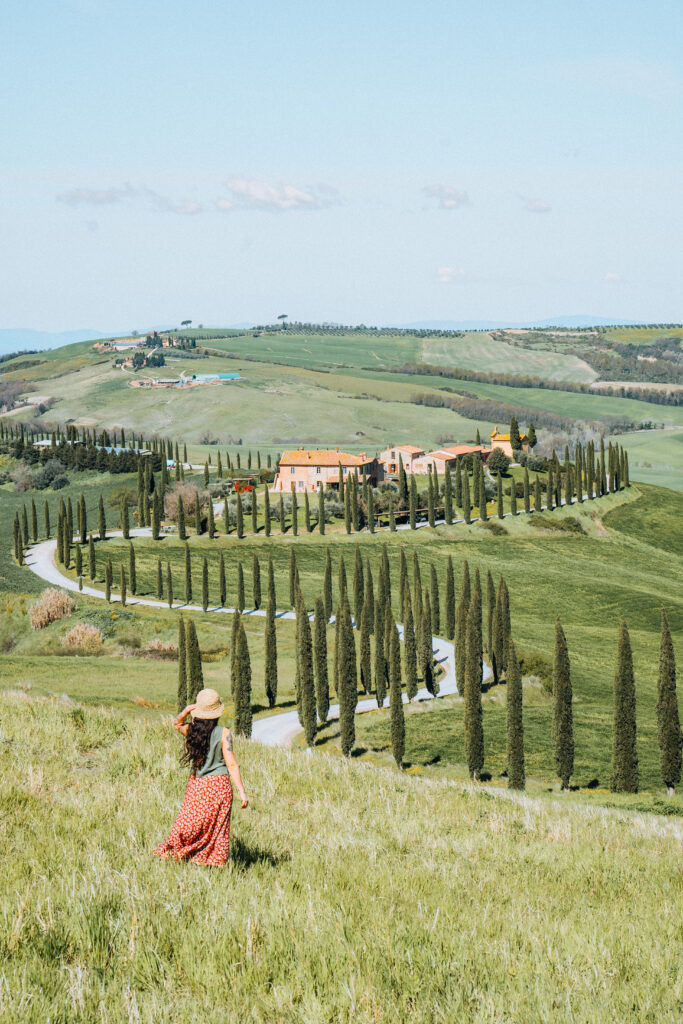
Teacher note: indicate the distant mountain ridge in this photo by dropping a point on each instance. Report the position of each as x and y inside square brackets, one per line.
[14, 339]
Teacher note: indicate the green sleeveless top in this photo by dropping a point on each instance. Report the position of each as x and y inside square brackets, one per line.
[215, 762]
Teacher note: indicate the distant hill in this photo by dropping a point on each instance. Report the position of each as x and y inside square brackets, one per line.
[499, 325]
[14, 339]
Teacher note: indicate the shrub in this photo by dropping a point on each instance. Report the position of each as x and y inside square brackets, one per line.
[59, 482]
[159, 651]
[50, 606]
[567, 524]
[127, 637]
[494, 527]
[83, 638]
[498, 461]
[533, 664]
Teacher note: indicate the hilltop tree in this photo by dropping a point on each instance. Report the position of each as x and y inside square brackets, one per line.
[242, 686]
[624, 751]
[322, 685]
[515, 721]
[270, 666]
[398, 728]
[668, 720]
[195, 676]
[182, 700]
[563, 719]
[474, 729]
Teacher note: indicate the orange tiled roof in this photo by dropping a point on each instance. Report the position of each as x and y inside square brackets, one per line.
[410, 448]
[505, 437]
[464, 449]
[322, 457]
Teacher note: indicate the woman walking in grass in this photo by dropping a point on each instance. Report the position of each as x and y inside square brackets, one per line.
[202, 829]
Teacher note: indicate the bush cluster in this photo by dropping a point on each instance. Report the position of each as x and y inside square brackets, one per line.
[50, 606]
[84, 638]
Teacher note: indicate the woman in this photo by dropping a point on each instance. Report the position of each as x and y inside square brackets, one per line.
[202, 829]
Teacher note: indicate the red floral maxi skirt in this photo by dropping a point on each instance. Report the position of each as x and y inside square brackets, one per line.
[201, 831]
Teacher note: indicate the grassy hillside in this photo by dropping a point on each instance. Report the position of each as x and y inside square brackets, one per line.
[353, 895]
[479, 351]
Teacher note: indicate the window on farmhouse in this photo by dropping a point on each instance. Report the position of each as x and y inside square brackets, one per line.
[292, 469]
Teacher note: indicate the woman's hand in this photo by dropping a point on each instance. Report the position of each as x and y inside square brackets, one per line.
[245, 800]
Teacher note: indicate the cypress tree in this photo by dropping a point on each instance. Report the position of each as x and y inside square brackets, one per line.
[502, 629]
[563, 715]
[123, 515]
[388, 619]
[427, 647]
[466, 503]
[515, 721]
[417, 582]
[266, 511]
[413, 503]
[515, 439]
[123, 586]
[198, 515]
[222, 589]
[242, 701]
[624, 752]
[188, 575]
[347, 510]
[240, 517]
[292, 578]
[398, 727]
[450, 600]
[241, 599]
[538, 498]
[402, 483]
[348, 690]
[513, 497]
[371, 510]
[627, 478]
[369, 596]
[355, 505]
[550, 490]
[295, 514]
[483, 514]
[271, 655]
[403, 584]
[322, 685]
[307, 513]
[410, 651]
[206, 474]
[34, 521]
[306, 680]
[83, 518]
[457, 495]
[358, 588]
[108, 574]
[169, 585]
[182, 530]
[321, 511]
[431, 518]
[341, 577]
[436, 603]
[101, 519]
[182, 700]
[132, 574]
[212, 520]
[160, 581]
[92, 562]
[380, 667]
[46, 517]
[491, 613]
[234, 667]
[340, 482]
[66, 543]
[384, 568]
[256, 581]
[79, 564]
[365, 656]
[668, 720]
[271, 584]
[448, 498]
[140, 492]
[578, 465]
[499, 487]
[156, 516]
[461, 628]
[527, 495]
[69, 520]
[327, 586]
[205, 584]
[60, 538]
[219, 467]
[474, 729]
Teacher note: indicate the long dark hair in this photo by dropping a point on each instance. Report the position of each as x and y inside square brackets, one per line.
[197, 741]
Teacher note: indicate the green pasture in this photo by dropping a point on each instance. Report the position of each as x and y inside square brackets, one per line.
[479, 351]
[316, 351]
[655, 456]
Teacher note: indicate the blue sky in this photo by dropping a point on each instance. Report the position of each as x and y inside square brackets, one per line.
[377, 162]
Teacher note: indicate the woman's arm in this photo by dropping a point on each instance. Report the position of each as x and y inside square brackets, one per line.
[233, 767]
[179, 722]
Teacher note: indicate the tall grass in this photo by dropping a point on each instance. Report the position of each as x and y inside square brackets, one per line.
[353, 894]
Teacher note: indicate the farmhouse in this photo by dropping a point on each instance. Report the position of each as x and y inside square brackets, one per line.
[407, 453]
[310, 470]
[446, 458]
[499, 440]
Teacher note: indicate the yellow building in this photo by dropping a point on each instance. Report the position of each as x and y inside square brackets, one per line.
[499, 440]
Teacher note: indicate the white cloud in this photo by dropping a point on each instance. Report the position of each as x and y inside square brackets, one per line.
[128, 193]
[536, 205]
[449, 198]
[447, 275]
[612, 276]
[250, 193]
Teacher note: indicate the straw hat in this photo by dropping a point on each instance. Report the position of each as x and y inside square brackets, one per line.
[208, 705]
